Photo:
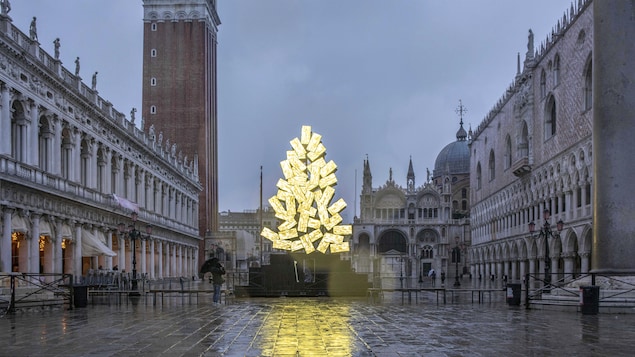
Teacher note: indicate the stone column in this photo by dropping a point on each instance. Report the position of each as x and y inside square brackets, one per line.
[584, 262]
[77, 253]
[5, 122]
[152, 269]
[58, 253]
[195, 263]
[108, 260]
[5, 243]
[160, 257]
[56, 151]
[532, 271]
[142, 255]
[174, 262]
[180, 261]
[106, 186]
[34, 244]
[122, 251]
[553, 271]
[613, 132]
[568, 266]
[33, 140]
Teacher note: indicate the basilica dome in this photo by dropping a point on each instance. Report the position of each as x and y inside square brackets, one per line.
[454, 159]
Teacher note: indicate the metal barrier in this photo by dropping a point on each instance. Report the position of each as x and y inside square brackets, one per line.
[613, 290]
[34, 290]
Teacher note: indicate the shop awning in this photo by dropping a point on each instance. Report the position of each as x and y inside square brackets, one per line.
[18, 224]
[92, 246]
[45, 229]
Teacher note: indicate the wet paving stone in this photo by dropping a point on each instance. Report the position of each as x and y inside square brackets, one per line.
[314, 327]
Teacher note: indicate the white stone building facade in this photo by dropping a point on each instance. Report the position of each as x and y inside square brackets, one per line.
[533, 152]
[72, 168]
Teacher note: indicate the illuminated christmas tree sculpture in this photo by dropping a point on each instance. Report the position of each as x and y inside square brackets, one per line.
[303, 201]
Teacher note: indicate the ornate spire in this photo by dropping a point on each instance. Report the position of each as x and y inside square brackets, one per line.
[460, 110]
[367, 182]
[411, 176]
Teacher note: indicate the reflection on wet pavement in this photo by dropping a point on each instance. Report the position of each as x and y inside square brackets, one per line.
[315, 327]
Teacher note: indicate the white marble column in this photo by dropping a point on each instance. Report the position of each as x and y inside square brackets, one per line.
[174, 263]
[5, 123]
[152, 253]
[122, 251]
[5, 243]
[58, 253]
[584, 262]
[34, 244]
[160, 257]
[33, 141]
[180, 261]
[56, 146]
[108, 260]
[568, 266]
[144, 267]
[532, 272]
[77, 252]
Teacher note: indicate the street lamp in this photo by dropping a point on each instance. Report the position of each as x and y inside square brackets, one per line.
[546, 232]
[134, 234]
[456, 253]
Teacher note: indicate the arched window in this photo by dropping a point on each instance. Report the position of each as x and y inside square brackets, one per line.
[523, 144]
[550, 118]
[153, 27]
[153, 52]
[364, 244]
[153, 109]
[508, 152]
[153, 81]
[392, 240]
[588, 86]
[543, 84]
[556, 70]
[478, 176]
[427, 252]
[492, 166]
[18, 132]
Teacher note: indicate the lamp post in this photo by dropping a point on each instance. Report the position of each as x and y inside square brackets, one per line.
[546, 232]
[456, 253]
[134, 234]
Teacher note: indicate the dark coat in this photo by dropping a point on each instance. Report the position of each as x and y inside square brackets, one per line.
[218, 271]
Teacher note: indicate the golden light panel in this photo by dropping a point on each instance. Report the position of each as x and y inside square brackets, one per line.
[303, 200]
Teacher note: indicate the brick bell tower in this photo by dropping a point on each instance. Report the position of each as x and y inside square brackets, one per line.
[179, 88]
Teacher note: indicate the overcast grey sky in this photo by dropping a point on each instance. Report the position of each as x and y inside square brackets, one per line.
[381, 78]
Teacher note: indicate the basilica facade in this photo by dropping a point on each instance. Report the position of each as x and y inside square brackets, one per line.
[72, 168]
[531, 162]
[405, 235]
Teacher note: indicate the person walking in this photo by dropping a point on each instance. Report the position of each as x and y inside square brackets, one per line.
[217, 271]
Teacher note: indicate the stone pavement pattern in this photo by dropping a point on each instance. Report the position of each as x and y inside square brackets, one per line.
[314, 327]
